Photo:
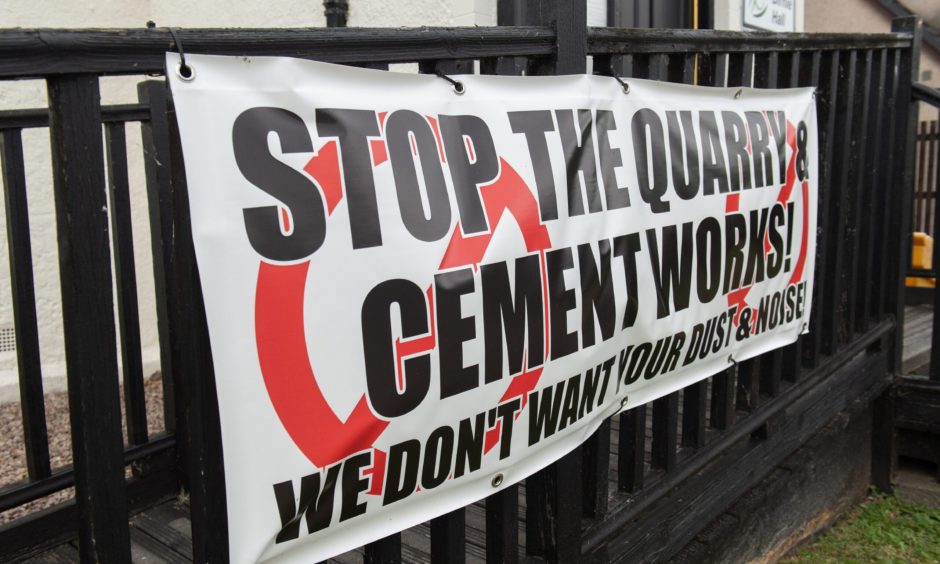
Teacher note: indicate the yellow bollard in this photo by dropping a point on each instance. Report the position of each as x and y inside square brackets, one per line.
[921, 259]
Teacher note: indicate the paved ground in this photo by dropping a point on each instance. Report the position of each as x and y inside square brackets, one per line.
[13, 458]
[917, 482]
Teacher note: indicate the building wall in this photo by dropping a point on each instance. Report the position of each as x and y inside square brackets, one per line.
[135, 13]
[865, 16]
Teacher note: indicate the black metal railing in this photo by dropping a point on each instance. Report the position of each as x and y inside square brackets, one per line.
[676, 463]
[931, 97]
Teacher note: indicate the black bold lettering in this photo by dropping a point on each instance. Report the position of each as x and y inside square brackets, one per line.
[544, 408]
[610, 159]
[578, 147]
[454, 330]
[467, 175]
[562, 300]
[291, 187]
[649, 150]
[425, 225]
[714, 168]
[469, 445]
[672, 268]
[354, 484]
[708, 244]
[352, 129]
[597, 293]
[760, 149]
[739, 161]
[379, 347]
[438, 452]
[401, 477]
[685, 176]
[520, 316]
[626, 247]
[316, 504]
[534, 125]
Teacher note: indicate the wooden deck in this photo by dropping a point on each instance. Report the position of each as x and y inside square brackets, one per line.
[918, 332]
[162, 533]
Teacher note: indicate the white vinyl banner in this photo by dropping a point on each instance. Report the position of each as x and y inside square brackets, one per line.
[416, 298]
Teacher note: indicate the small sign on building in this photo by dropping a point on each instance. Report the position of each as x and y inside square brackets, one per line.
[770, 15]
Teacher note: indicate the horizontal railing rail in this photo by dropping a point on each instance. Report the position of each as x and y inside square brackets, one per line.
[608, 40]
[40, 53]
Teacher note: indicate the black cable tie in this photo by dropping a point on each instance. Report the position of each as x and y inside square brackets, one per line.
[458, 86]
[184, 71]
[624, 85]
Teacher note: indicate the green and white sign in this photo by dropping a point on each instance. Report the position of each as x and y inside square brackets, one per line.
[770, 15]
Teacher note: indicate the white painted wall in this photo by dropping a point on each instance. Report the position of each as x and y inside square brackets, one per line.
[135, 13]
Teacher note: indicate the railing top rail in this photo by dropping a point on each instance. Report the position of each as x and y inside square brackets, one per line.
[37, 53]
[608, 40]
[926, 94]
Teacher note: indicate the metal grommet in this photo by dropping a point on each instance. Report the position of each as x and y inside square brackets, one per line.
[457, 86]
[738, 93]
[623, 85]
[497, 480]
[185, 72]
[623, 402]
[732, 360]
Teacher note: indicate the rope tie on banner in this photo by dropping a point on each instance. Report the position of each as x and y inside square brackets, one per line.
[734, 363]
[458, 86]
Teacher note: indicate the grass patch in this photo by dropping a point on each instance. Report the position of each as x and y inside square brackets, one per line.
[881, 529]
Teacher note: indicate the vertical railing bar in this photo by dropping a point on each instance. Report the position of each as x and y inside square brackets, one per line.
[383, 551]
[715, 72]
[854, 188]
[929, 192]
[861, 270]
[595, 466]
[883, 457]
[448, 538]
[872, 170]
[194, 376]
[88, 317]
[632, 447]
[921, 177]
[935, 337]
[694, 408]
[502, 526]
[767, 73]
[831, 302]
[448, 532]
[694, 396]
[122, 239]
[804, 71]
[25, 323]
[826, 99]
[156, 152]
[665, 420]
[889, 157]
[745, 394]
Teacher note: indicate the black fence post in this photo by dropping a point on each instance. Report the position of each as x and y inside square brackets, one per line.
[197, 408]
[553, 495]
[336, 12]
[899, 231]
[88, 317]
